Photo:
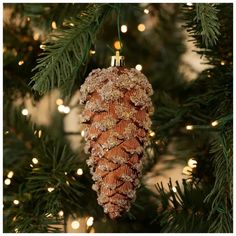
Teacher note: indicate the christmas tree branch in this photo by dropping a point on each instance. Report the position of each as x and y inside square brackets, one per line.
[67, 50]
[202, 20]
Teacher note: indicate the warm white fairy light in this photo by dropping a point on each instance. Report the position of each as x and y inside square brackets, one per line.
[65, 173]
[59, 101]
[54, 25]
[146, 11]
[79, 171]
[31, 165]
[92, 52]
[72, 24]
[60, 108]
[16, 202]
[138, 67]
[82, 133]
[90, 221]
[189, 127]
[10, 174]
[60, 213]
[21, 62]
[152, 133]
[214, 123]
[222, 63]
[75, 224]
[25, 112]
[28, 19]
[192, 163]
[7, 181]
[66, 110]
[42, 46]
[124, 28]
[63, 109]
[189, 4]
[174, 189]
[50, 189]
[141, 27]
[35, 160]
[40, 133]
[117, 45]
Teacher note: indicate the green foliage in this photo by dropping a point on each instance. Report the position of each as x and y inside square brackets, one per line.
[206, 15]
[221, 196]
[182, 209]
[67, 51]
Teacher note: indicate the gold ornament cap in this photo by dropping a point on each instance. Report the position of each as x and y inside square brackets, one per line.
[117, 60]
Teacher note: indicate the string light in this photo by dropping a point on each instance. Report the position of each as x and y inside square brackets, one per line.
[92, 52]
[28, 19]
[50, 189]
[25, 112]
[36, 36]
[214, 123]
[65, 173]
[66, 110]
[141, 27]
[54, 25]
[21, 62]
[82, 133]
[146, 11]
[35, 160]
[40, 133]
[90, 221]
[192, 163]
[16, 202]
[174, 189]
[59, 101]
[48, 215]
[138, 67]
[189, 127]
[117, 45]
[71, 24]
[79, 171]
[222, 63]
[75, 224]
[7, 181]
[189, 4]
[10, 174]
[63, 109]
[7, 132]
[42, 46]
[61, 213]
[67, 182]
[152, 133]
[124, 28]
[31, 165]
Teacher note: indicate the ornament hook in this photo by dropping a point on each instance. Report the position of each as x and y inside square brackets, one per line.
[117, 60]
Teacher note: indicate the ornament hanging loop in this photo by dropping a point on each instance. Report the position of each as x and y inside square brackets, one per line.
[117, 60]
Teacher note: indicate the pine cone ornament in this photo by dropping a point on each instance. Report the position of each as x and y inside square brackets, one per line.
[116, 117]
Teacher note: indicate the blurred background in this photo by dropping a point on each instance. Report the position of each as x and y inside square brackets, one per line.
[47, 184]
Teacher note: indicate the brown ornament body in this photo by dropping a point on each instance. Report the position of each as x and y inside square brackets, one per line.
[117, 108]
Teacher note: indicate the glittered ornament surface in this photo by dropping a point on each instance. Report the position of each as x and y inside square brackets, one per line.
[117, 118]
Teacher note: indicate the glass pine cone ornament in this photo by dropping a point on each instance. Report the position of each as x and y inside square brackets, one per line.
[116, 117]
